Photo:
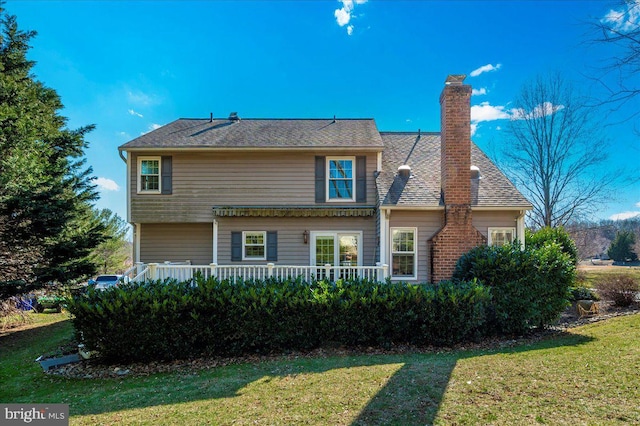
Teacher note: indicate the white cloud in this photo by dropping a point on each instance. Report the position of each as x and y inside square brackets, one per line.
[484, 68]
[487, 112]
[139, 98]
[152, 127]
[542, 110]
[133, 112]
[638, 204]
[480, 91]
[344, 15]
[106, 184]
[124, 135]
[625, 19]
[624, 215]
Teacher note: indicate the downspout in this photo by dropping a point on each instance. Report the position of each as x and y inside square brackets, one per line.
[122, 156]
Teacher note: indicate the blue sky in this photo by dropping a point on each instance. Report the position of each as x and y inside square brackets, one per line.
[129, 67]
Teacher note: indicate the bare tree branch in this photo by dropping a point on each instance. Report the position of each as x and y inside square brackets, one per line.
[557, 153]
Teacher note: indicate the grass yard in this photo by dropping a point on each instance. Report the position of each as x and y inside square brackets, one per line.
[587, 376]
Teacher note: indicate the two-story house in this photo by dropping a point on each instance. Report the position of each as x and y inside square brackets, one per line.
[319, 194]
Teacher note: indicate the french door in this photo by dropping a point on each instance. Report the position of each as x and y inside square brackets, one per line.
[342, 249]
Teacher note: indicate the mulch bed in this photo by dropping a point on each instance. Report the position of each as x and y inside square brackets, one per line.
[95, 369]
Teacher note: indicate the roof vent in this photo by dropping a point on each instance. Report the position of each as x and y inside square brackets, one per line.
[404, 171]
[475, 172]
[234, 116]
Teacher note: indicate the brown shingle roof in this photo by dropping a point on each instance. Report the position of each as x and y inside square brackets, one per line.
[262, 133]
[422, 189]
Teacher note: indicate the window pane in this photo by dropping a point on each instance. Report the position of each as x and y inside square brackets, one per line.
[348, 250]
[340, 188]
[254, 251]
[403, 241]
[402, 265]
[341, 169]
[150, 183]
[254, 238]
[500, 237]
[150, 167]
[324, 251]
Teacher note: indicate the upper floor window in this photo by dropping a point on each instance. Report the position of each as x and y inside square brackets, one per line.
[149, 174]
[341, 179]
[254, 245]
[501, 236]
[403, 252]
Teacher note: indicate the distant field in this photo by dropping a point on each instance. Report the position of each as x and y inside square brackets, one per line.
[589, 274]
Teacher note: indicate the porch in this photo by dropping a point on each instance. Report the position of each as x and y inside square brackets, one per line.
[184, 271]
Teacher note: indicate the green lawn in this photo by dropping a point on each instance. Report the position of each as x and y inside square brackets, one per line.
[588, 376]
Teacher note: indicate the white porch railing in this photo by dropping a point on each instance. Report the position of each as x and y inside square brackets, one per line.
[185, 272]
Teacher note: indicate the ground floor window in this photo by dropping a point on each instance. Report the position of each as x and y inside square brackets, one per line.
[254, 245]
[403, 252]
[501, 236]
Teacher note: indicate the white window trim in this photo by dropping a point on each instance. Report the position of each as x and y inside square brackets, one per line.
[336, 247]
[353, 179]
[244, 245]
[500, 228]
[140, 160]
[415, 252]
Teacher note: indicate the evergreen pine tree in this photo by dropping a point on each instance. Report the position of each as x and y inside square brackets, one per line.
[46, 192]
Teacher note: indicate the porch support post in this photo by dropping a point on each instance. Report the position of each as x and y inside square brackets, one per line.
[215, 241]
[214, 270]
[520, 229]
[153, 271]
[270, 267]
[384, 235]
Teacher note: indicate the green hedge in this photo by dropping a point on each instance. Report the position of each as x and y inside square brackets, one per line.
[172, 320]
[529, 288]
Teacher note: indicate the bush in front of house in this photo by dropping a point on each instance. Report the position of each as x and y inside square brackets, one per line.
[529, 288]
[621, 289]
[548, 235]
[171, 320]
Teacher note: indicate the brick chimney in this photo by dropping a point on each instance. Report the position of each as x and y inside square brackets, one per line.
[458, 234]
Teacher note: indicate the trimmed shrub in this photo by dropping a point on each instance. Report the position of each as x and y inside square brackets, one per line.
[529, 288]
[621, 289]
[582, 293]
[171, 320]
[548, 235]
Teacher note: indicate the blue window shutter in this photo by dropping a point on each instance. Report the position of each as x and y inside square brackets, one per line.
[236, 246]
[166, 170]
[320, 180]
[272, 246]
[361, 179]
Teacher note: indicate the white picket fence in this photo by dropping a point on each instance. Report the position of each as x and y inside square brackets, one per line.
[185, 272]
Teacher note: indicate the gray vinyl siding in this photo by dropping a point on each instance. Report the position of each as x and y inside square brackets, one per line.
[176, 242]
[291, 247]
[483, 220]
[201, 180]
[428, 224]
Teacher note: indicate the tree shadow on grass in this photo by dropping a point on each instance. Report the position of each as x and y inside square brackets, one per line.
[414, 394]
[409, 388]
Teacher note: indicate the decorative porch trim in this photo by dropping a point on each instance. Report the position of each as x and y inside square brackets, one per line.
[293, 211]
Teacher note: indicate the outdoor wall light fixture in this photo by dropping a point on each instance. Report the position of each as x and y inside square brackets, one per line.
[305, 236]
